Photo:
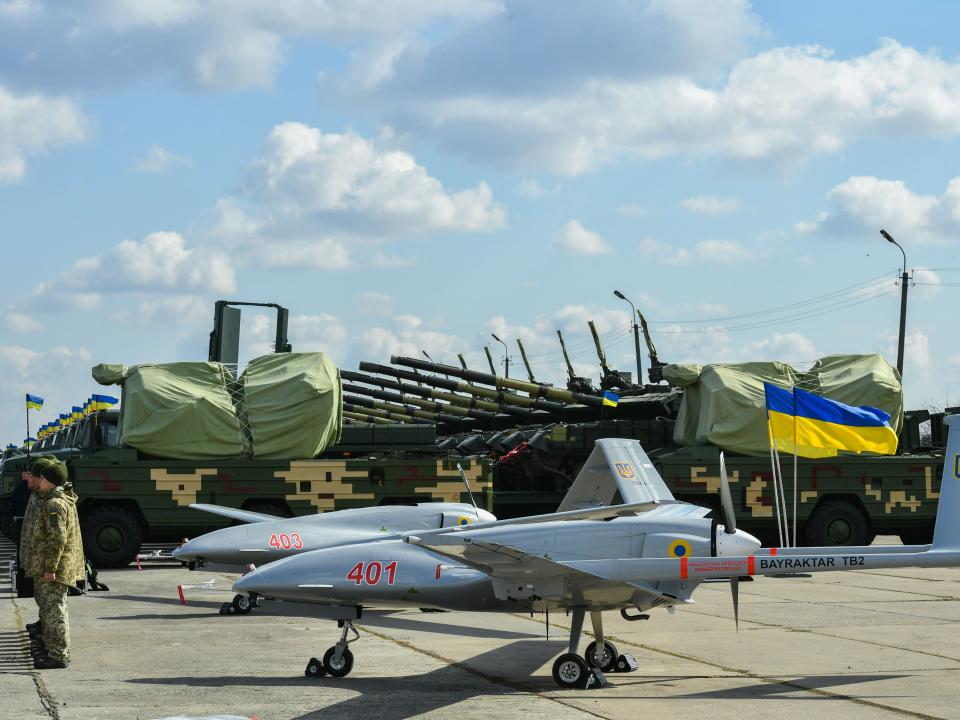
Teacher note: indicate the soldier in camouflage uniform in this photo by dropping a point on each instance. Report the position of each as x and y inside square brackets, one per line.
[57, 562]
[28, 528]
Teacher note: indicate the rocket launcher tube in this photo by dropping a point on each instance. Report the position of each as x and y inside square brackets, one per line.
[498, 396]
[408, 389]
[535, 390]
[388, 416]
[403, 410]
[428, 405]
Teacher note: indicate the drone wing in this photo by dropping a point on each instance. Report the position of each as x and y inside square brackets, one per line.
[246, 516]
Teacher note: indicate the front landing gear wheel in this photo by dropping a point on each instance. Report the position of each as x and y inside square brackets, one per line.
[242, 604]
[338, 668]
[570, 671]
[314, 669]
[606, 659]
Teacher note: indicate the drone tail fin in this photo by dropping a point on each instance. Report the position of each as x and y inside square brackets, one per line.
[946, 534]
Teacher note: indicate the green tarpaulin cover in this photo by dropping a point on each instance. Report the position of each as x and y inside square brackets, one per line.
[725, 406]
[293, 403]
[285, 405]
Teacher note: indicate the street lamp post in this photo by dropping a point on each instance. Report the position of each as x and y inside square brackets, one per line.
[506, 355]
[636, 333]
[903, 303]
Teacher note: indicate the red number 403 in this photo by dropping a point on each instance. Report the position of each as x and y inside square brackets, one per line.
[283, 541]
[373, 573]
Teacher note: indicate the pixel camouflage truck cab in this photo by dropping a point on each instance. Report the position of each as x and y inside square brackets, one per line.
[269, 441]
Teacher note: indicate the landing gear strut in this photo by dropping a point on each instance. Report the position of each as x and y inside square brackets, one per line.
[240, 605]
[338, 660]
[572, 671]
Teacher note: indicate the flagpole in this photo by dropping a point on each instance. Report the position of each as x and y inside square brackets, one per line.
[782, 499]
[794, 470]
[26, 440]
[776, 494]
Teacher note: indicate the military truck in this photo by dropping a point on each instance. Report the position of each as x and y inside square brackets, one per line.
[128, 498]
[845, 500]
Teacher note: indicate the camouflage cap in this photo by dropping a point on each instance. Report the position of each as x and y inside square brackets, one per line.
[39, 464]
[55, 472]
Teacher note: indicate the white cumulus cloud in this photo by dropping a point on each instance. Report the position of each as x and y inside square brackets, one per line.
[865, 203]
[211, 45]
[34, 124]
[575, 239]
[161, 262]
[159, 160]
[330, 200]
[779, 107]
[712, 251]
[710, 205]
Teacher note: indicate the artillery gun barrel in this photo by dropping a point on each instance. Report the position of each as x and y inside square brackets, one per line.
[506, 402]
[526, 363]
[535, 390]
[383, 414]
[433, 417]
[406, 388]
[424, 404]
[363, 417]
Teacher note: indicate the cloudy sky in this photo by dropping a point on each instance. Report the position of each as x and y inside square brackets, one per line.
[413, 175]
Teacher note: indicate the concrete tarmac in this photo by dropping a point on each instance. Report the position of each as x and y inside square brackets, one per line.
[853, 645]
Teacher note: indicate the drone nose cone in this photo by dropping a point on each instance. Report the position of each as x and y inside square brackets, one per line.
[251, 582]
[190, 550]
[272, 579]
[736, 544]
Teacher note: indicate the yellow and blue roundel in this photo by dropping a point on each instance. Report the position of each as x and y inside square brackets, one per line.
[679, 549]
[463, 520]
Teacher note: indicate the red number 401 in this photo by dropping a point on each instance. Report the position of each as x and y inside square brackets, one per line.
[373, 572]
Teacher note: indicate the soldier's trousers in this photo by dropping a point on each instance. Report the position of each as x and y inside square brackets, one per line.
[52, 598]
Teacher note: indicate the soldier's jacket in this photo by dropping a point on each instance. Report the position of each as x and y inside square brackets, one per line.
[27, 530]
[56, 544]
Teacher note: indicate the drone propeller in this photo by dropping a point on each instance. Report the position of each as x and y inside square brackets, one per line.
[726, 500]
[730, 527]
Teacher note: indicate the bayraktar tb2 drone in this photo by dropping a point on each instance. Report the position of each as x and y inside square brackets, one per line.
[265, 538]
[652, 552]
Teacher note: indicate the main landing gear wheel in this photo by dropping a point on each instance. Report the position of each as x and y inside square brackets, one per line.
[570, 671]
[338, 668]
[314, 669]
[606, 659]
[242, 605]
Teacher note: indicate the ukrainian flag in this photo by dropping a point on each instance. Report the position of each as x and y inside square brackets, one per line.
[610, 399]
[65, 420]
[819, 427]
[34, 402]
[28, 442]
[76, 413]
[103, 402]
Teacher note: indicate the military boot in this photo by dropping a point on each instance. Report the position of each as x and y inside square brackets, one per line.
[46, 662]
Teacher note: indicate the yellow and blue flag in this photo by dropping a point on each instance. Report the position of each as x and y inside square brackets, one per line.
[610, 399]
[34, 402]
[28, 442]
[819, 427]
[103, 402]
[65, 420]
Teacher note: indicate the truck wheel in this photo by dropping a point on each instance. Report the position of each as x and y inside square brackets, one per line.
[837, 522]
[111, 537]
